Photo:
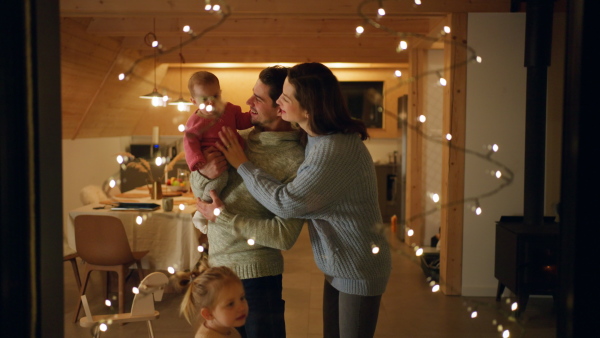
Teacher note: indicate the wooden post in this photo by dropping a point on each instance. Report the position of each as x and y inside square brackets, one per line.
[453, 160]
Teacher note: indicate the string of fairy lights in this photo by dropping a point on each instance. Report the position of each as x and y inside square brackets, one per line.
[503, 324]
[502, 172]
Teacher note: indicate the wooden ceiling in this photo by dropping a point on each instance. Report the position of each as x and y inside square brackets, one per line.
[102, 38]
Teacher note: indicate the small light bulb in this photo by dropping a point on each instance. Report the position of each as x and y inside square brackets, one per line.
[107, 302]
[250, 241]
[498, 174]
[216, 8]
[103, 327]
[381, 12]
[181, 128]
[448, 137]
[200, 248]
[478, 211]
[181, 106]
[443, 81]
[139, 220]
[410, 232]
[207, 7]
[186, 28]
[514, 306]
[419, 252]
[359, 30]
[417, 2]
[422, 118]
[120, 159]
[181, 206]
[478, 59]
[121, 76]
[435, 288]
[217, 211]
[171, 270]
[158, 161]
[201, 106]
[374, 249]
[209, 108]
[398, 73]
[474, 314]
[435, 198]
[446, 29]
[135, 290]
[112, 183]
[155, 43]
[505, 334]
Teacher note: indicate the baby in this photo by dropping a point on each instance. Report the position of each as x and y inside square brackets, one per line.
[202, 132]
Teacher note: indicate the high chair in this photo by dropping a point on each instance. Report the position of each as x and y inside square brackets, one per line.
[151, 289]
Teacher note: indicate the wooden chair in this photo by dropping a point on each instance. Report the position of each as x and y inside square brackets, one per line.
[72, 258]
[103, 245]
[151, 289]
[71, 255]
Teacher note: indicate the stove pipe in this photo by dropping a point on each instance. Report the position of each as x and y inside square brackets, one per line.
[538, 40]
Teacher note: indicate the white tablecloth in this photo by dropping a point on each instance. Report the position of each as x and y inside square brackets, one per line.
[170, 236]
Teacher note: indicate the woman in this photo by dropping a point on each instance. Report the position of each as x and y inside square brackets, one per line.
[336, 190]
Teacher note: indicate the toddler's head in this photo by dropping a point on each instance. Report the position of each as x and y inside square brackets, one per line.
[204, 88]
[218, 295]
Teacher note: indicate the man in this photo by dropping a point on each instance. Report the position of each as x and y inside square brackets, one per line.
[247, 237]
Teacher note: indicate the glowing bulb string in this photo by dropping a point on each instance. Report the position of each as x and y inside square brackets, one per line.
[504, 322]
[507, 174]
[224, 13]
[472, 55]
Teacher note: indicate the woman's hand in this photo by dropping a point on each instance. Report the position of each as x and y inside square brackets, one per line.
[215, 164]
[208, 209]
[231, 148]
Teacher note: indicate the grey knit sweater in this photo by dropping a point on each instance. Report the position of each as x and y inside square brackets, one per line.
[279, 154]
[336, 189]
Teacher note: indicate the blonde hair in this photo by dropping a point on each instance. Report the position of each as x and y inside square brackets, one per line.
[201, 78]
[203, 287]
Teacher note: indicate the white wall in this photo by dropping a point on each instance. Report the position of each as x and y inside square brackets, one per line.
[495, 114]
[88, 161]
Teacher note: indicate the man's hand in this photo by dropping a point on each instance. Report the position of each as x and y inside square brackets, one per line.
[215, 165]
[208, 209]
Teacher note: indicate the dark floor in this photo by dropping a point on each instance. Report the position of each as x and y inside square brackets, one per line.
[408, 308]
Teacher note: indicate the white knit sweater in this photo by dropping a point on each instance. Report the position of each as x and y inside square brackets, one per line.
[279, 154]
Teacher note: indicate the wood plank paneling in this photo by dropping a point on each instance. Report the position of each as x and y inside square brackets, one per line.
[117, 8]
[453, 159]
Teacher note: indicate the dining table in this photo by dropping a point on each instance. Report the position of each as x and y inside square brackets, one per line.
[170, 236]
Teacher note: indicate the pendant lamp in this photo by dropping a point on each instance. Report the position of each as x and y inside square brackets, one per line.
[182, 105]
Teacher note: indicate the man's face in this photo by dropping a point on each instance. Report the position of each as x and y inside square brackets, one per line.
[261, 107]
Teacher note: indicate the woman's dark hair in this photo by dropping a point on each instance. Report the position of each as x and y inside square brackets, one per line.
[318, 91]
[274, 77]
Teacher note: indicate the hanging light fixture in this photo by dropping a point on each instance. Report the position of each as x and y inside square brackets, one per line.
[182, 105]
[155, 96]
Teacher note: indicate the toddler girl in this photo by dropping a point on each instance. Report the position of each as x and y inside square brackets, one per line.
[217, 296]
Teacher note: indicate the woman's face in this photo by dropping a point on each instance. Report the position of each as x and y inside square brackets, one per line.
[290, 107]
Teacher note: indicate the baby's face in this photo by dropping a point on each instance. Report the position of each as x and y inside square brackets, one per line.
[207, 98]
[206, 93]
